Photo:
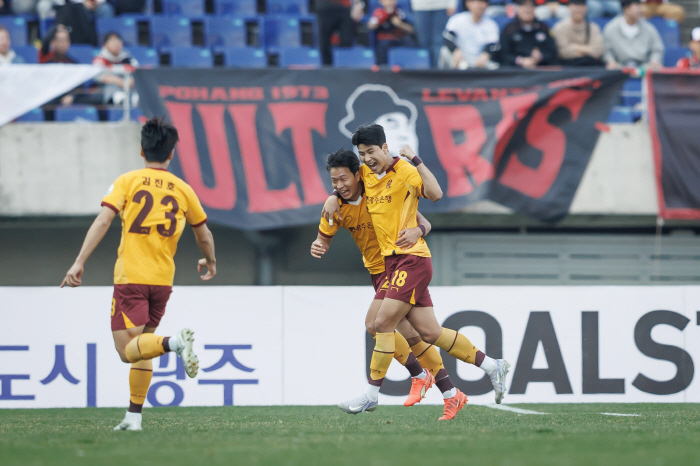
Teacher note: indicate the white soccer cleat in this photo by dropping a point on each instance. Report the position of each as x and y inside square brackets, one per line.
[185, 339]
[358, 405]
[498, 379]
[132, 421]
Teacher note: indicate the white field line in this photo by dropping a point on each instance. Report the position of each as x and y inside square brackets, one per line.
[619, 414]
[513, 409]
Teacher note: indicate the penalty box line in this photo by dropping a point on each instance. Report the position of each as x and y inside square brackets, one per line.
[513, 409]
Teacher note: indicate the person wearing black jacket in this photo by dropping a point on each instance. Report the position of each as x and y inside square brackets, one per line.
[525, 42]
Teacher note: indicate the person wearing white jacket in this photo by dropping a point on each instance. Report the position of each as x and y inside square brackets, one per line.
[430, 20]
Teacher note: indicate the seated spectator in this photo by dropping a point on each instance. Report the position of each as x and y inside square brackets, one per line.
[603, 8]
[392, 29]
[5, 8]
[7, 55]
[630, 41]
[525, 42]
[692, 61]
[579, 42]
[467, 37]
[55, 46]
[551, 9]
[663, 8]
[336, 16]
[113, 57]
[97, 8]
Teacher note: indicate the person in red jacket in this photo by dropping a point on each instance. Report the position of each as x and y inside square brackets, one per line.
[392, 29]
[693, 58]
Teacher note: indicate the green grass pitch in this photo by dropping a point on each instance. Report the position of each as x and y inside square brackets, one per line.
[573, 434]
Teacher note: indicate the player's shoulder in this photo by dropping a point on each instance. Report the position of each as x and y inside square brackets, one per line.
[402, 165]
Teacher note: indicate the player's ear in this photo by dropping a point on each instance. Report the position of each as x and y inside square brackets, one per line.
[385, 148]
[142, 154]
[170, 157]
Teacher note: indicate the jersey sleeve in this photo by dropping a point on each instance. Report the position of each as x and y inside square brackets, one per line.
[409, 175]
[195, 213]
[115, 198]
[326, 230]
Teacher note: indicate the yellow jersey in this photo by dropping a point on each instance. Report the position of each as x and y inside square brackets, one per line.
[392, 201]
[358, 222]
[154, 205]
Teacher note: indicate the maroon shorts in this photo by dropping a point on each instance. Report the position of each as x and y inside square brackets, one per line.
[408, 278]
[380, 284]
[136, 305]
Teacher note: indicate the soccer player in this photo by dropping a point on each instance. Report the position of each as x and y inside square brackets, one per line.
[393, 187]
[410, 350]
[154, 205]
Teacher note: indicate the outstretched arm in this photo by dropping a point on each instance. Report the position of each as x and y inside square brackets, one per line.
[205, 241]
[320, 246]
[97, 231]
[409, 237]
[431, 187]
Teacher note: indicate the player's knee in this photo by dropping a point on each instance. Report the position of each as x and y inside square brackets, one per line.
[383, 325]
[122, 356]
[413, 341]
[428, 336]
[370, 328]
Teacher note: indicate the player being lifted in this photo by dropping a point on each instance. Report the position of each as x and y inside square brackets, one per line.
[410, 350]
[154, 205]
[393, 187]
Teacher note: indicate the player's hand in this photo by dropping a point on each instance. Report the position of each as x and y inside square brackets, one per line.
[408, 237]
[74, 277]
[331, 208]
[318, 249]
[210, 266]
[407, 152]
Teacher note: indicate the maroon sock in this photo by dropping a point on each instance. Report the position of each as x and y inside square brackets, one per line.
[443, 382]
[376, 383]
[413, 365]
[479, 358]
[166, 345]
[134, 408]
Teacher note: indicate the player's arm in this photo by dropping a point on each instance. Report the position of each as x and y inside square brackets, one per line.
[97, 231]
[205, 241]
[409, 237]
[320, 246]
[431, 187]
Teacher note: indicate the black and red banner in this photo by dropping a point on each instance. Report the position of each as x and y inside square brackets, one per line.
[674, 106]
[253, 143]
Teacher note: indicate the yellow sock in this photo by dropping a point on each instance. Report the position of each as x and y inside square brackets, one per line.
[457, 345]
[428, 357]
[139, 381]
[144, 346]
[401, 348]
[382, 355]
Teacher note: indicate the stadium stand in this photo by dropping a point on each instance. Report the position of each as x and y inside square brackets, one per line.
[76, 113]
[236, 7]
[32, 116]
[243, 57]
[170, 31]
[668, 30]
[146, 56]
[289, 31]
[356, 57]
[226, 31]
[189, 8]
[632, 92]
[409, 58]
[305, 57]
[17, 26]
[189, 57]
[83, 53]
[28, 52]
[126, 27]
[117, 114]
[673, 54]
[287, 7]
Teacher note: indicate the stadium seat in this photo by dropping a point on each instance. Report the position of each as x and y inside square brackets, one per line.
[170, 31]
[226, 32]
[117, 114]
[601, 22]
[356, 57]
[502, 21]
[83, 53]
[299, 57]
[631, 92]
[45, 25]
[28, 52]
[146, 56]
[287, 7]
[409, 58]
[621, 115]
[32, 116]
[190, 57]
[236, 7]
[17, 26]
[190, 8]
[76, 113]
[244, 57]
[668, 30]
[673, 54]
[286, 31]
[126, 27]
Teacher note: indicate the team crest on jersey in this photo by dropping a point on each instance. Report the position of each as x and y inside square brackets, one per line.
[347, 218]
[109, 190]
[388, 184]
[540, 36]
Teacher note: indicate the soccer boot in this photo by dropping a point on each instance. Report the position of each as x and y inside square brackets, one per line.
[419, 387]
[358, 405]
[132, 421]
[184, 349]
[454, 404]
[498, 379]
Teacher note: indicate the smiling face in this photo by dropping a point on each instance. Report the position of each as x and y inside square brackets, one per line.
[376, 158]
[347, 184]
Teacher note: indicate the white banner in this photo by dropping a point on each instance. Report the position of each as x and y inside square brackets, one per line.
[26, 87]
[307, 345]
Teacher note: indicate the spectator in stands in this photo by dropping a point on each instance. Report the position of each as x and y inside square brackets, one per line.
[630, 41]
[5, 8]
[603, 8]
[55, 46]
[663, 8]
[692, 61]
[7, 55]
[551, 9]
[129, 6]
[430, 21]
[97, 8]
[117, 61]
[392, 29]
[526, 42]
[579, 42]
[467, 37]
[336, 16]
[23, 7]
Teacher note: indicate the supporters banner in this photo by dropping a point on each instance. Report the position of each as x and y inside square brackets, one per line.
[674, 106]
[308, 346]
[253, 143]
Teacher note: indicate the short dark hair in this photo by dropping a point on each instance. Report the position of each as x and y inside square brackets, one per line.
[109, 35]
[158, 140]
[372, 135]
[343, 158]
[625, 3]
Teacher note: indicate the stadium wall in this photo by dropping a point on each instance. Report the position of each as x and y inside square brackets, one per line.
[257, 345]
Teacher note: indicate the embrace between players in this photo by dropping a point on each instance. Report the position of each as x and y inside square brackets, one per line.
[377, 202]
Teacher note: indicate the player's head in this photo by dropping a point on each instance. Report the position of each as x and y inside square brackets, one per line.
[344, 167]
[371, 145]
[158, 140]
[113, 43]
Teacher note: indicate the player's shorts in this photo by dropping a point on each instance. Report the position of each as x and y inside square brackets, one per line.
[408, 277]
[136, 305]
[380, 284]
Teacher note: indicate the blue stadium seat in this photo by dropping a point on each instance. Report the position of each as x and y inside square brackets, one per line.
[226, 32]
[631, 92]
[601, 22]
[621, 115]
[28, 52]
[83, 53]
[170, 31]
[287, 7]
[244, 57]
[117, 114]
[236, 7]
[668, 30]
[286, 31]
[673, 54]
[409, 58]
[356, 57]
[32, 116]
[146, 56]
[124, 26]
[299, 57]
[17, 26]
[190, 8]
[502, 21]
[190, 57]
[76, 113]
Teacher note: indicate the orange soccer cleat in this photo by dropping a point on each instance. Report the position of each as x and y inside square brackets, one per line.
[454, 404]
[419, 387]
